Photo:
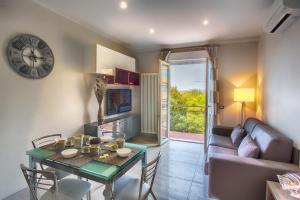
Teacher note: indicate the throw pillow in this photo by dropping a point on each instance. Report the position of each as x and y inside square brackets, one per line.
[248, 148]
[237, 135]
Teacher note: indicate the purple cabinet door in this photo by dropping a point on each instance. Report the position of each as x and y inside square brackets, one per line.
[122, 76]
[134, 78]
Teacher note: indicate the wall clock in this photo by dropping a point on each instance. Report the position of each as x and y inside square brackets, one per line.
[30, 56]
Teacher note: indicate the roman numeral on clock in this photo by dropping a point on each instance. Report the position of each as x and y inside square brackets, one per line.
[18, 44]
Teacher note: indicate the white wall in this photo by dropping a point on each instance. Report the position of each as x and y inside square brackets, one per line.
[60, 103]
[148, 62]
[237, 64]
[279, 81]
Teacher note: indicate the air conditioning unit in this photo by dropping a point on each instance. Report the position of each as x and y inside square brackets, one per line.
[285, 13]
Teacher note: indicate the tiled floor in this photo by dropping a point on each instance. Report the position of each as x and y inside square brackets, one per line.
[180, 174]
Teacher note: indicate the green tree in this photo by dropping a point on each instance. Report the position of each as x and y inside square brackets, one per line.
[187, 110]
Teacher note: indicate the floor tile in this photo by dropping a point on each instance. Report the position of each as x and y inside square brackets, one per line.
[177, 169]
[185, 146]
[181, 156]
[171, 188]
[199, 176]
[198, 192]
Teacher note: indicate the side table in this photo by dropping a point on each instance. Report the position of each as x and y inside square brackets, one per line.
[275, 192]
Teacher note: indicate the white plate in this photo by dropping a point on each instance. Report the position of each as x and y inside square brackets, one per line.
[123, 152]
[106, 138]
[69, 153]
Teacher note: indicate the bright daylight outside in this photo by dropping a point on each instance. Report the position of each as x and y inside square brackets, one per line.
[187, 99]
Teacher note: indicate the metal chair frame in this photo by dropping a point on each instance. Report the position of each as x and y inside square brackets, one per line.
[45, 140]
[148, 176]
[46, 181]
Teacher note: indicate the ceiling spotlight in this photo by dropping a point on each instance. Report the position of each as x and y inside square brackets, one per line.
[151, 30]
[205, 22]
[123, 5]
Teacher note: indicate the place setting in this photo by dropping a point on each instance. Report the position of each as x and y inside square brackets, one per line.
[79, 150]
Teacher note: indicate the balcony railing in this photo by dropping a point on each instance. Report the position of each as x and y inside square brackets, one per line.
[190, 119]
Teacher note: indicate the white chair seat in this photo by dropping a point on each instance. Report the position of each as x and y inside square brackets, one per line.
[127, 188]
[69, 189]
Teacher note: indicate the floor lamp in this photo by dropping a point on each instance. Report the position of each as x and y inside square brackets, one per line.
[244, 95]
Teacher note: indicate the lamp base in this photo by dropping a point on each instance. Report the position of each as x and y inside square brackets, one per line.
[242, 113]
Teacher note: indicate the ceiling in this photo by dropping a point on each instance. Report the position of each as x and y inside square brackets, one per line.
[175, 22]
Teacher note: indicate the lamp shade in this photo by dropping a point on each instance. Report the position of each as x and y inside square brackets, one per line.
[244, 94]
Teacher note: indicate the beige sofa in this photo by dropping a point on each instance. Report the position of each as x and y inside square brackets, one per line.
[240, 178]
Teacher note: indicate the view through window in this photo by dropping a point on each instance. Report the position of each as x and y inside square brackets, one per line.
[187, 101]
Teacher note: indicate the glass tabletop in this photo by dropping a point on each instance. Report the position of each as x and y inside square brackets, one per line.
[94, 168]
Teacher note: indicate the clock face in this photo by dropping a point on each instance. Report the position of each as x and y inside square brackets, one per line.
[30, 56]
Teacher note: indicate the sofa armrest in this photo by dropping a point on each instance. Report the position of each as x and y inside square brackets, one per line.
[233, 177]
[222, 130]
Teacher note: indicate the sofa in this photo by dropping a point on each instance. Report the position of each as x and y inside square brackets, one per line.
[232, 177]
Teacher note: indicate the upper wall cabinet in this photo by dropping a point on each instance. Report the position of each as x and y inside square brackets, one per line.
[122, 76]
[127, 77]
[119, 68]
[107, 60]
[134, 78]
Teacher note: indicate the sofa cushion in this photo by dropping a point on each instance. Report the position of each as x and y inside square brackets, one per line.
[217, 150]
[237, 135]
[221, 150]
[250, 124]
[272, 145]
[248, 148]
[221, 141]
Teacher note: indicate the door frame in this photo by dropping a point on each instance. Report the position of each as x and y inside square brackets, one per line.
[159, 135]
[206, 104]
[205, 61]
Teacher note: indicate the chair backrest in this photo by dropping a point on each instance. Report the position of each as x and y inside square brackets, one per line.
[39, 179]
[45, 140]
[148, 174]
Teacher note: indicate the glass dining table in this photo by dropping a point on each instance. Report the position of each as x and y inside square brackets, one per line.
[94, 170]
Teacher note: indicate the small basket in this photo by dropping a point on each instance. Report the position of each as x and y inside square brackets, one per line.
[291, 183]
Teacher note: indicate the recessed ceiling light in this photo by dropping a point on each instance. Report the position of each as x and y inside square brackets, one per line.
[123, 5]
[205, 22]
[151, 30]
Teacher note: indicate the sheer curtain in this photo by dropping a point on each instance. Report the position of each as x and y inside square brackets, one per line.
[212, 89]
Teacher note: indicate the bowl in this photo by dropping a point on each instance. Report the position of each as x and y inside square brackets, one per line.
[106, 138]
[69, 153]
[123, 152]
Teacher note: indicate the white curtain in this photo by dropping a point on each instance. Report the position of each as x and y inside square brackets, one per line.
[164, 55]
[213, 89]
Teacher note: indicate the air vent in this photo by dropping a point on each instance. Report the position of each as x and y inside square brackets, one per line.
[284, 14]
[285, 17]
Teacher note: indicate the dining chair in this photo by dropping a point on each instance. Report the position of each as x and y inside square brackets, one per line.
[46, 140]
[65, 189]
[50, 139]
[130, 188]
